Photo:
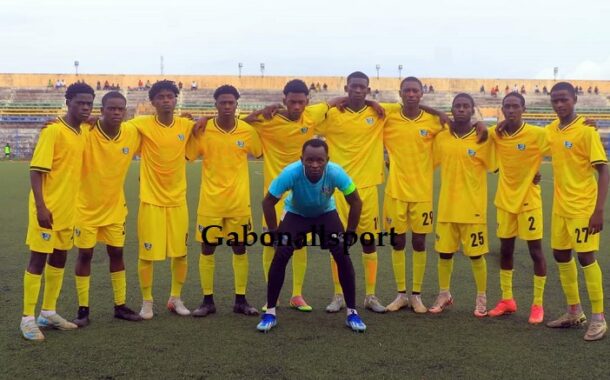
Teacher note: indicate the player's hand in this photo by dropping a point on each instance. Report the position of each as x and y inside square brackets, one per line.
[500, 128]
[596, 222]
[199, 126]
[269, 111]
[187, 115]
[377, 107]
[444, 120]
[50, 121]
[482, 132]
[537, 178]
[590, 123]
[92, 120]
[45, 218]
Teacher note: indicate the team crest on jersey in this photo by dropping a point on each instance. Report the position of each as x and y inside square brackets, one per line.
[388, 220]
[180, 137]
[46, 236]
[521, 146]
[147, 246]
[370, 120]
[327, 190]
[240, 143]
[76, 232]
[304, 130]
[471, 152]
[423, 132]
[568, 144]
[125, 150]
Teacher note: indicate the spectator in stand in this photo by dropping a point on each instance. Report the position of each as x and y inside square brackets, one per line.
[425, 88]
[180, 85]
[50, 84]
[106, 85]
[98, 86]
[193, 86]
[545, 91]
[147, 86]
[431, 89]
[515, 88]
[506, 90]
[7, 152]
[596, 90]
[523, 89]
[312, 87]
[590, 90]
[325, 87]
[376, 94]
[536, 90]
[57, 84]
[140, 85]
[318, 87]
[580, 91]
[482, 89]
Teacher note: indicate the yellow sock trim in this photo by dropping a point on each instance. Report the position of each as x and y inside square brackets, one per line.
[369, 263]
[145, 276]
[119, 287]
[53, 280]
[419, 269]
[568, 275]
[593, 279]
[206, 273]
[445, 268]
[335, 274]
[299, 266]
[539, 282]
[479, 270]
[31, 290]
[240, 270]
[400, 275]
[82, 289]
[268, 253]
[506, 283]
[179, 269]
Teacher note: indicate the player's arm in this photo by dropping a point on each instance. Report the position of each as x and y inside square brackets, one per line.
[340, 103]
[596, 222]
[43, 214]
[269, 203]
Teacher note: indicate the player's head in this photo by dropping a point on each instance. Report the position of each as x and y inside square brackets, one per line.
[462, 107]
[357, 87]
[563, 99]
[314, 156]
[296, 98]
[513, 106]
[79, 99]
[226, 100]
[113, 108]
[163, 95]
[411, 91]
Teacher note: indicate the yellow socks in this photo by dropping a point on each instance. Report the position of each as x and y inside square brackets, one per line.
[335, 273]
[31, 290]
[82, 290]
[539, 282]
[479, 270]
[398, 264]
[145, 275]
[53, 280]
[206, 273]
[568, 275]
[445, 268]
[506, 283]
[268, 253]
[179, 268]
[240, 271]
[369, 263]
[419, 269]
[119, 286]
[593, 279]
[299, 266]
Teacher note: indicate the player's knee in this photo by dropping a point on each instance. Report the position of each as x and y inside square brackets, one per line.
[586, 258]
[476, 257]
[446, 256]
[58, 258]
[239, 249]
[562, 255]
[418, 241]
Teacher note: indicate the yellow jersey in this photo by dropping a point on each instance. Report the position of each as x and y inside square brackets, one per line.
[101, 200]
[409, 146]
[225, 181]
[575, 149]
[355, 142]
[283, 138]
[464, 165]
[518, 156]
[59, 154]
[163, 165]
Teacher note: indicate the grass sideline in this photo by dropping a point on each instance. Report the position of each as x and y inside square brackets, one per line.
[452, 345]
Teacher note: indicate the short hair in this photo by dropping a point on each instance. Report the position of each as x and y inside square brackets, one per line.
[226, 89]
[78, 88]
[113, 95]
[564, 86]
[161, 85]
[357, 74]
[296, 86]
[412, 79]
[315, 143]
[516, 95]
[463, 95]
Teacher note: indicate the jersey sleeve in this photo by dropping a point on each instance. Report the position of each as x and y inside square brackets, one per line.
[42, 160]
[281, 184]
[192, 149]
[343, 182]
[321, 128]
[543, 143]
[436, 152]
[317, 112]
[597, 154]
[255, 148]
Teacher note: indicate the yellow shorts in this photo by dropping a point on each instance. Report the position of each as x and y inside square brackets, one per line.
[87, 236]
[568, 233]
[162, 231]
[45, 241]
[217, 227]
[369, 219]
[472, 236]
[405, 216]
[527, 225]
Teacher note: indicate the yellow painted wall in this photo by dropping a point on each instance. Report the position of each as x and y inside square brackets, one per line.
[278, 82]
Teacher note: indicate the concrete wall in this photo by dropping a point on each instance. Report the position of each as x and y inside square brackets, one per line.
[277, 82]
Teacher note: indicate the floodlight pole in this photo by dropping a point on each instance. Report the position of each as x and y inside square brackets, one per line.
[377, 66]
[399, 72]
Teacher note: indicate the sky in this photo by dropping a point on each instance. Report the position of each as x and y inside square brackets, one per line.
[430, 38]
